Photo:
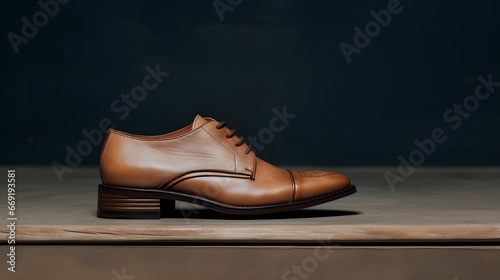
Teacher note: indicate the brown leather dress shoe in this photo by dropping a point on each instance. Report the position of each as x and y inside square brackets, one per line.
[207, 164]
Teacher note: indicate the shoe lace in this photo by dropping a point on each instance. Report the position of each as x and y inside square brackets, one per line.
[232, 132]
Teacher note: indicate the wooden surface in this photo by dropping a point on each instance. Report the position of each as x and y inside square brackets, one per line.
[255, 262]
[432, 205]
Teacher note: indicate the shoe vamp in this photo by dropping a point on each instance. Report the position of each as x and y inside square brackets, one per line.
[272, 185]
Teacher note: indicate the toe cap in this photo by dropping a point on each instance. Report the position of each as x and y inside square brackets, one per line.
[310, 184]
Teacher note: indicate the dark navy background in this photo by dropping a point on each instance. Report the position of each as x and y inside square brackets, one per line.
[264, 55]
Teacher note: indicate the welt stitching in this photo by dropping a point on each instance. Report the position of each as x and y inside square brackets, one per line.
[245, 206]
[313, 198]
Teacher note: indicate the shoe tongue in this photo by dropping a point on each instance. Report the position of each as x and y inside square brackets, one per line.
[199, 121]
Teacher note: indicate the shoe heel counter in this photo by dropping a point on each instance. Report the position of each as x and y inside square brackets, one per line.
[104, 162]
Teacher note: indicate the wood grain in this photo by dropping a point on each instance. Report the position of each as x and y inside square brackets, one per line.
[258, 233]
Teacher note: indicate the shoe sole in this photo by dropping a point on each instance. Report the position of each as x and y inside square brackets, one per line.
[130, 203]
